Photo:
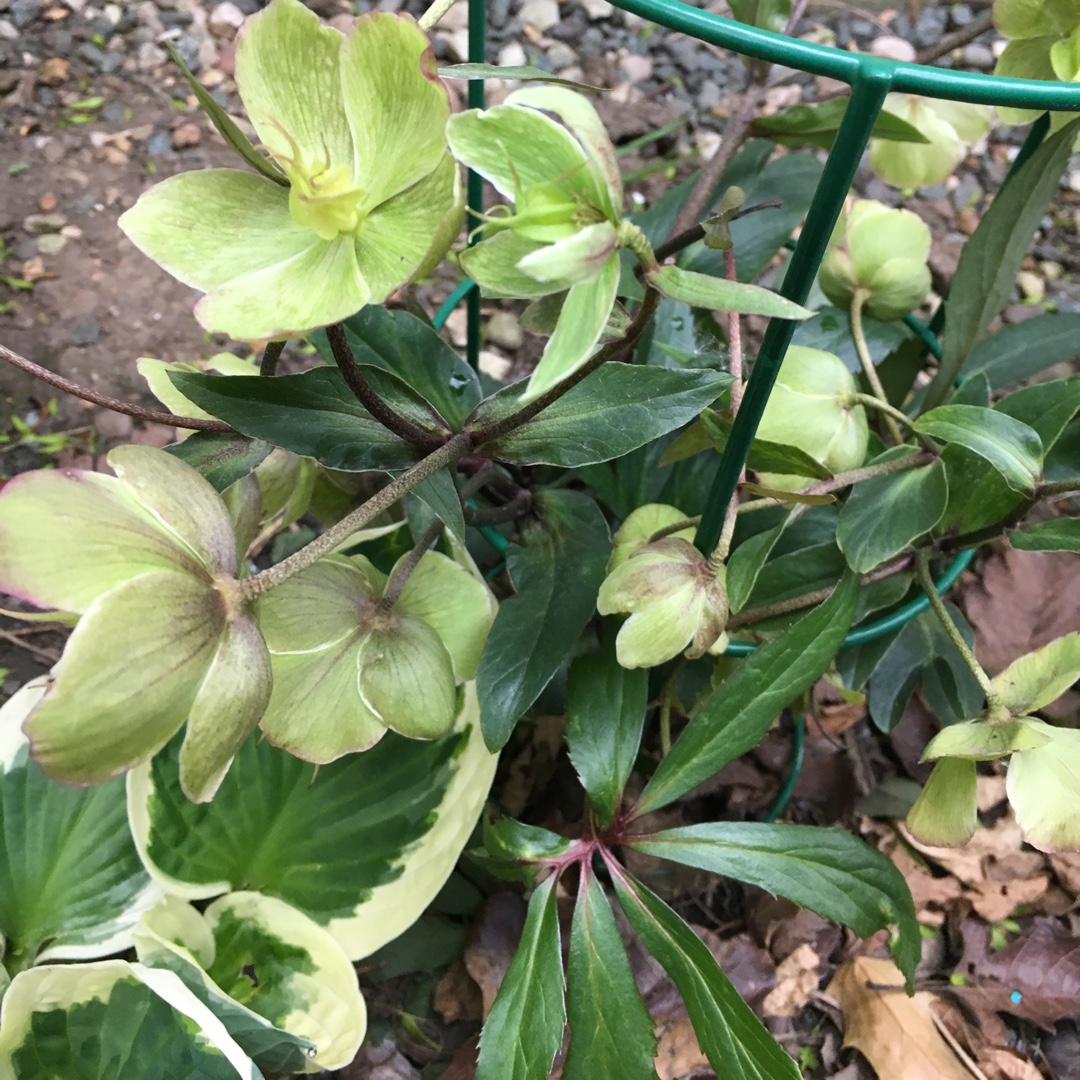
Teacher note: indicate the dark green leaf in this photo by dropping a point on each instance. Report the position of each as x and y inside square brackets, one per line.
[1063, 459]
[410, 349]
[922, 643]
[1021, 350]
[1046, 407]
[732, 1037]
[991, 259]
[783, 577]
[746, 562]
[512, 840]
[826, 870]
[440, 494]
[223, 457]
[313, 414]
[766, 456]
[524, 1030]
[524, 72]
[611, 1034]
[978, 493]
[974, 390]
[556, 571]
[1013, 448]
[605, 712]
[830, 331]
[885, 514]
[614, 411]
[817, 125]
[741, 709]
[226, 126]
[1061, 534]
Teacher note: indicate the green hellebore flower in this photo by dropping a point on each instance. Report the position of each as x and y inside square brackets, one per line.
[346, 667]
[1045, 45]
[946, 812]
[561, 232]
[148, 558]
[640, 525]
[675, 600]
[951, 127]
[369, 197]
[881, 251]
[812, 407]
[1043, 785]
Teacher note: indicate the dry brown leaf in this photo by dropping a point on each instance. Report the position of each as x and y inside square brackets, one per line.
[1005, 1065]
[456, 996]
[1023, 600]
[492, 942]
[677, 1051]
[997, 900]
[1067, 868]
[797, 978]
[895, 1033]
[932, 895]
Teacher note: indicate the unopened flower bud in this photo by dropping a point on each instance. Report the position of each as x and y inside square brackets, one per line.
[812, 407]
[676, 602]
[882, 252]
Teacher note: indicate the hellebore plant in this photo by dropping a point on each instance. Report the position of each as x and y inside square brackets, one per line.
[361, 195]
[564, 228]
[148, 561]
[1045, 44]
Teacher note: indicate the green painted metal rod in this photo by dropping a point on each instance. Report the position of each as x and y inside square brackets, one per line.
[848, 67]
[867, 95]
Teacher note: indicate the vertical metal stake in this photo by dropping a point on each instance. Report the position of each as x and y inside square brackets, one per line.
[474, 182]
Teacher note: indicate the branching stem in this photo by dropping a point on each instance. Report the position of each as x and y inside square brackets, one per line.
[382, 500]
[150, 416]
[869, 370]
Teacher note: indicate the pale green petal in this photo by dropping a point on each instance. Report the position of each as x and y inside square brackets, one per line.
[970, 122]
[393, 242]
[977, 740]
[514, 148]
[212, 225]
[318, 606]
[407, 679]
[493, 263]
[580, 116]
[876, 239]
[182, 501]
[449, 226]
[913, 165]
[128, 677]
[288, 75]
[646, 575]
[1025, 59]
[315, 709]
[578, 258]
[944, 814]
[640, 525]
[319, 286]
[659, 631]
[156, 374]
[454, 604]
[227, 709]
[581, 322]
[1044, 790]
[396, 104]
[67, 537]
[1036, 679]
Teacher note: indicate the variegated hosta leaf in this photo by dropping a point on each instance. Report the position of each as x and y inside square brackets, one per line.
[361, 845]
[112, 1021]
[281, 985]
[71, 884]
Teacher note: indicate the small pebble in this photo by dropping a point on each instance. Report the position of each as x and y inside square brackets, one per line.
[86, 333]
[977, 56]
[113, 425]
[185, 136]
[54, 72]
[543, 14]
[24, 12]
[225, 20]
[39, 224]
[561, 56]
[51, 243]
[159, 144]
[505, 331]
[89, 52]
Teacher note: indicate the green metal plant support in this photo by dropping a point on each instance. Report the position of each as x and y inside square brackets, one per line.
[871, 79]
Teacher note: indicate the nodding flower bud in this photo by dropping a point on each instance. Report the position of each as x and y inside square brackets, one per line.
[676, 601]
[881, 252]
[641, 525]
[812, 407]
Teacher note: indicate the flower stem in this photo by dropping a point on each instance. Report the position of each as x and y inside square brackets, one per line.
[434, 13]
[150, 416]
[869, 370]
[270, 357]
[324, 544]
[408, 565]
[894, 417]
[611, 351]
[364, 392]
[922, 570]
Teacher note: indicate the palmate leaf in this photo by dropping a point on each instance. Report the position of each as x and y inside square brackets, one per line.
[71, 884]
[361, 845]
[732, 1037]
[524, 1029]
